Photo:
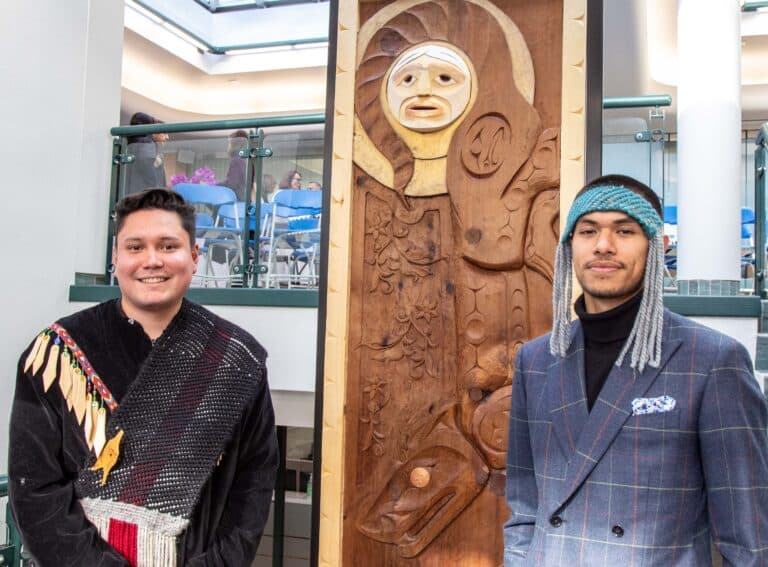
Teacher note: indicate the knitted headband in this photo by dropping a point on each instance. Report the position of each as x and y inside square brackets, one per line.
[644, 341]
[613, 198]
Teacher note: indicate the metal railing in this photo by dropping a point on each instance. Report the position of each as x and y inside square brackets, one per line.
[643, 101]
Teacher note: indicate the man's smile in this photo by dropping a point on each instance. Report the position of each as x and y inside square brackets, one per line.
[604, 266]
[154, 279]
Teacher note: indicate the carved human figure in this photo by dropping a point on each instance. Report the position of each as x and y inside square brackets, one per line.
[453, 166]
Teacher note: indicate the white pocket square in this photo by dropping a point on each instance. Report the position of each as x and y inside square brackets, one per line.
[644, 406]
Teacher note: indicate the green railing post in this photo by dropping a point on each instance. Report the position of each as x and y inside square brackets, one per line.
[258, 155]
[761, 186]
[116, 181]
[10, 549]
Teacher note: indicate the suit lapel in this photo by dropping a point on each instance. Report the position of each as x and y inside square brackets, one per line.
[610, 412]
[566, 393]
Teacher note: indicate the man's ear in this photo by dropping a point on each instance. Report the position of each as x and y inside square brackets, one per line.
[195, 255]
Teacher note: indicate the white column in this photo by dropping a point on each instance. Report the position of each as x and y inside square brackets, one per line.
[708, 126]
[61, 69]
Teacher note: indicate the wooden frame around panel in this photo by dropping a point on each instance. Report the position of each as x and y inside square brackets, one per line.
[337, 323]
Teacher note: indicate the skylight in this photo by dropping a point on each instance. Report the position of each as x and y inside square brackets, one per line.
[228, 5]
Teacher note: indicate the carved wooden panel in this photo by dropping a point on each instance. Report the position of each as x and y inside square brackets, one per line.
[454, 224]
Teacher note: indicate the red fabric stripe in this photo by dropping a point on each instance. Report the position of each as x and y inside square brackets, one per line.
[123, 536]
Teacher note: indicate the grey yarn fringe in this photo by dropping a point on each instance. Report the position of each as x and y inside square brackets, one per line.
[562, 288]
[644, 341]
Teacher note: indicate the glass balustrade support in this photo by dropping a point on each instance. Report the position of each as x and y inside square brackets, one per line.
[637, 101]
[117, 180]
[207, 126]
[258, 173]
[761, 187]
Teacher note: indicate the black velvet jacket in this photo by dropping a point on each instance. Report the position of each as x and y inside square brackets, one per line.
[47, 450]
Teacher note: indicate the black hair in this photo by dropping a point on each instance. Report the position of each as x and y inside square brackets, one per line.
[285, 182]
[143, 118]
[157, 198]
[628, 182]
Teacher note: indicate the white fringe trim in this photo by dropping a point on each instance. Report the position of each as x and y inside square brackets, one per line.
[157, 532]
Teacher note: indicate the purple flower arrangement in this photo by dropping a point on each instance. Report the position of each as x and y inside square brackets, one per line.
[202, 176]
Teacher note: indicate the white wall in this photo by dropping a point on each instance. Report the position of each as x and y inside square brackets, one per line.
[61, 72]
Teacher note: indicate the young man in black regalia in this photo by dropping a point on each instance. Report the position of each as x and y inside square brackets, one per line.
[142, 429]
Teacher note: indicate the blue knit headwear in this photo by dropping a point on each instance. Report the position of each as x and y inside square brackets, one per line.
[644, 341]
[613, 198]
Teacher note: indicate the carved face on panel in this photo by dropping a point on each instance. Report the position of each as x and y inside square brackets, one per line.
[428, 87]
[434, 77]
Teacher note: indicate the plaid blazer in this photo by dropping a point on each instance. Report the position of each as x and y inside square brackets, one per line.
[651, 486]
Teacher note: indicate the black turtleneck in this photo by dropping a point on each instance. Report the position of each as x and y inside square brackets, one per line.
[604, 335]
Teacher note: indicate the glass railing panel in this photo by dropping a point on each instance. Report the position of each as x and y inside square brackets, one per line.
[637, 143]
[247, 235]
[206, 168]
[290, 208]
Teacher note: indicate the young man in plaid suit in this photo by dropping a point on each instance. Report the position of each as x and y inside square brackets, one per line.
[636, 436]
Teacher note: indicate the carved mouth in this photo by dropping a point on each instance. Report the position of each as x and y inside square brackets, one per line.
[424, 107]
[423, 110]
[411, 510]
[422, 521]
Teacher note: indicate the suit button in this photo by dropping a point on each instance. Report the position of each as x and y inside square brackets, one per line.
[556, 521]
[618, 531]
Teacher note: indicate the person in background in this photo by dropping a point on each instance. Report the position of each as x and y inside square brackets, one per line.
[314, 186]
[291, 180]
[236, 172]
[268, 189]
[142, 430]
[147, 169]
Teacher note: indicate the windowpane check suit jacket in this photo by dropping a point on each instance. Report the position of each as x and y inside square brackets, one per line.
[611, 487]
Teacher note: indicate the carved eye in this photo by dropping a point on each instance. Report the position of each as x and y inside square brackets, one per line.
[445, 79]
[408, 80]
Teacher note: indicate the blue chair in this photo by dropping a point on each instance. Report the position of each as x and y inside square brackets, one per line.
[670, 214]
[203, 221]
[293, 237]
[209, 201]
[747, 242]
